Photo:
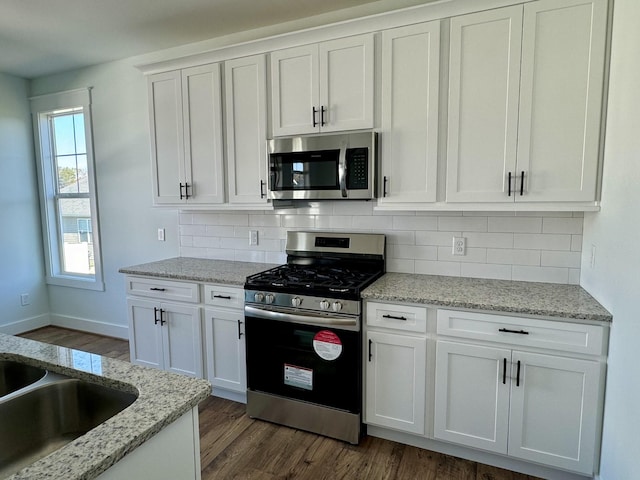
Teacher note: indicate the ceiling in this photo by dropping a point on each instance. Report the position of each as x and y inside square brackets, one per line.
[40, 37]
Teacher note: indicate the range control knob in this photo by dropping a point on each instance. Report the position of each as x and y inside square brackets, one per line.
[296, 301]
[259, 297]
[270, 297]
[337, 306]
[324, 304]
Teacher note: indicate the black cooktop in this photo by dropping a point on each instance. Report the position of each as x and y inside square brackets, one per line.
[313, 280]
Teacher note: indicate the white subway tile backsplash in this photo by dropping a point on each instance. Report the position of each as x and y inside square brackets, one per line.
[436, 238]
[540, 274]
[562, 225]
[416, 252]
[496, 240]
[473, 255]
[510, 256]
[530, 246]
[400, 265]
[483, 270]
[542, 242]
[465, 224]
[419, 222]
[428, 267]
[561, 259]
[515, 224]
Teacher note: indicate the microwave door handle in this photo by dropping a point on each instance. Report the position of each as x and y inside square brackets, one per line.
[342, 170]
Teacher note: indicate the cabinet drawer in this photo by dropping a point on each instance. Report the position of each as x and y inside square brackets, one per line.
[163, 289]
[397, 317]
[223, 296]
[531, 332]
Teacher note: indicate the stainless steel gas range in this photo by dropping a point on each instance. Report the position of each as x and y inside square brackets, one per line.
[304, 336]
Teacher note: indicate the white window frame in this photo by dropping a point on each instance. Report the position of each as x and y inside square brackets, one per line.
[41, 109]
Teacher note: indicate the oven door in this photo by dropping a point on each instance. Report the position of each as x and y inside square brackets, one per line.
[314, 363]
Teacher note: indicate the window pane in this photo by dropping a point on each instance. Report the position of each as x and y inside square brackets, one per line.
[78, 121]
[64, 135]
[77, 251]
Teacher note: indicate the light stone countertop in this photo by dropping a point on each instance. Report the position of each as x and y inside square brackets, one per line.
[163, 397]
[523, 298]
[199, 270]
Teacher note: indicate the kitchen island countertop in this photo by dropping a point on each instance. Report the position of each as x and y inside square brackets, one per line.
[199, 270]
[547, 300]
[163, 397]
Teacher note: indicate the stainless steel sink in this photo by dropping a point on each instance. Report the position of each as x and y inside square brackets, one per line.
[14, 376]
[45, 418]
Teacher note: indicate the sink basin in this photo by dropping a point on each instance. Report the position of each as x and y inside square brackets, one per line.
[42, 420]
[14, 376]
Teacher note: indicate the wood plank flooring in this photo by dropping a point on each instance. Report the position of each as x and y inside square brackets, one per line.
[233, 446]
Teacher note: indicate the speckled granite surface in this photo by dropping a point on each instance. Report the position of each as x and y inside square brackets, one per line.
[162, 398]
[198, 270]
[526, 298]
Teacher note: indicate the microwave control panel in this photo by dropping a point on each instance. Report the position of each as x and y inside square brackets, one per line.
[357, 169]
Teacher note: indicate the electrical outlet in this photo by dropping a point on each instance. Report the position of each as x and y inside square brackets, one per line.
[253, 237]
[161, 234]
[24, 299]
[459, 246]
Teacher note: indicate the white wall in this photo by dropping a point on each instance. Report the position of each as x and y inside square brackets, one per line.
[128, 222]
[21, 257]
[540, 247]
[615, 232]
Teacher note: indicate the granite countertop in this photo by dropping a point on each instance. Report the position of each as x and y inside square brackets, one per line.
[163, 397]
[199, 270]
[525, 298]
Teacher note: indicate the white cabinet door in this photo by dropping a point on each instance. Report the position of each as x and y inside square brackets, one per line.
[182, 339]
[472, 395]
[202, 114]
[484, 74]
[346, 83]
[165, 336]
[246, 129]
[145, 338]
[554, 411]
[396, 382]
[323, 87]
[167, 136]
[410, 92]
[225, 346]
[295, 90]
[563, 58]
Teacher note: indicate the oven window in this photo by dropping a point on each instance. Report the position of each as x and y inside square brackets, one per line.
[282, 360]
[305, 170]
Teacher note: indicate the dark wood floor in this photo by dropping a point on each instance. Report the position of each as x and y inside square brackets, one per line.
[234, 446]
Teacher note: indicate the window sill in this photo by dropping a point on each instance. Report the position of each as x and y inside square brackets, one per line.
[75, 282]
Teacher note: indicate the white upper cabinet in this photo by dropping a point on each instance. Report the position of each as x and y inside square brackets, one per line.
[525, 100]
[484, 82]
[410, 92]
[246, 129]
[563, 60]
[186, 136]
[323, 87]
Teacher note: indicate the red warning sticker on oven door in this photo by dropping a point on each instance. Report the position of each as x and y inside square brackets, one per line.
[327, 345]
[298, 377]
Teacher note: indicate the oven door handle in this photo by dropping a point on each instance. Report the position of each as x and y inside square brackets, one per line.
[342, 170]
[297, 318]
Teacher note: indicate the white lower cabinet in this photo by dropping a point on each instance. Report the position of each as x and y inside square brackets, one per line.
[395, 367]
[396, 382]
[166, 336]
[541, 407]
[225, 341]
[165, 328]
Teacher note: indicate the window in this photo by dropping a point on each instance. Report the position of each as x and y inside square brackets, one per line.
[62, 130]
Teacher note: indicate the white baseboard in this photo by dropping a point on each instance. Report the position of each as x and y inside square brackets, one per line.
[90, 326]
[26, 324]
[229, 395]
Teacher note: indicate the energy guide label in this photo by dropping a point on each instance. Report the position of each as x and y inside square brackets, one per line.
[327, 345]
[298, 377]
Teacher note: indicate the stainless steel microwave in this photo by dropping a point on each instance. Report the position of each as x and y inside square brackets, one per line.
[323, 167]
